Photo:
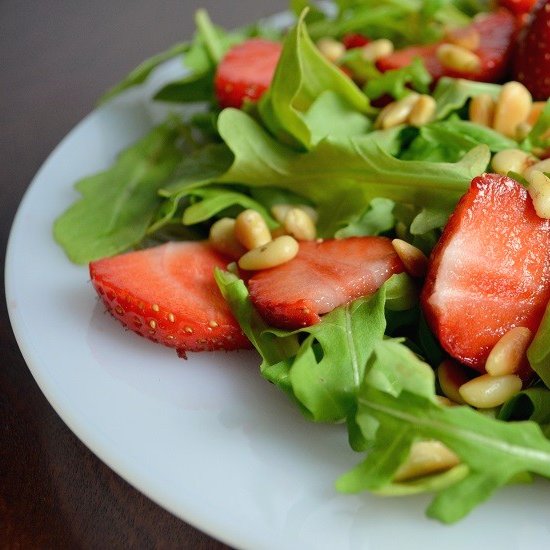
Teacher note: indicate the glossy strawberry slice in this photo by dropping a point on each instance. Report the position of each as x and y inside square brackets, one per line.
[489, 272]
[323, 276]
[518, 7]
[168, 294]
[496, 33]
[246, 72]
[532, 62]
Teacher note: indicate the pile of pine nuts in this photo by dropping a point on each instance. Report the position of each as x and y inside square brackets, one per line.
[248, 240]
[513, 113]
[414, 109]
[501, 381]
[334, 50]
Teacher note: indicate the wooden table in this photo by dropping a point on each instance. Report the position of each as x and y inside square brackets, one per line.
[57, 58]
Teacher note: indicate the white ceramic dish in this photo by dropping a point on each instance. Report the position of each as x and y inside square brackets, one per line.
[206, 438]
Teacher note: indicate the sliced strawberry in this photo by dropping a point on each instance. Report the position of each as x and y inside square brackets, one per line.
[246, 71]
[323, 276]
[496, 33]
[532, 62]
[518, 7]
[490, 271]
[168, 294]
[355, 40]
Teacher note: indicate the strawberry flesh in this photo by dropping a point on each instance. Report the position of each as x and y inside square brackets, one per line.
[323, 276]
[490, 271]
[532, 61]
[246, 72]
[168, 294]
[496, 31]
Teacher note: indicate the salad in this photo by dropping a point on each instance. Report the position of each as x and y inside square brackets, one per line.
[364, 198]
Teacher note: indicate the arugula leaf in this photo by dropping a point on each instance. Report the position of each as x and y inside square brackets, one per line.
[539, 136]
[341, 176]
[452, 94]
[143, 70]
[322, 366]
[531, 404]
[214, 200]
[192, 88]
[302, 75]
[376, 219]
[395, 82]
[117, 205]
[494, 451]
[451, 139]
[538, 353]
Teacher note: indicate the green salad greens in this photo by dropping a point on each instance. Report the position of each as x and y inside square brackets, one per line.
[312, 139]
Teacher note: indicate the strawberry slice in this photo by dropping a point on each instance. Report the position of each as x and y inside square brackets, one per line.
[518, 7]
[490, 271]
[323, 276]
[496, 34]
[168, 295]
[532, 62]
[246, 72]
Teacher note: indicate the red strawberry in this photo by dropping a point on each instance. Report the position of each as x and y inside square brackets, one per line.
[323, 276]
[532, 63]
[489, 272]
[168, 294]
[518, 7]
[496, 32]
[246, 71]
[354, 40]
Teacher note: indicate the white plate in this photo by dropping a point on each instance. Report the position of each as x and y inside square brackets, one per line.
[206, 438]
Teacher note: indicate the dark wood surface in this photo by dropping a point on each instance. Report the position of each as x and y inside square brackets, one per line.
[56, 58]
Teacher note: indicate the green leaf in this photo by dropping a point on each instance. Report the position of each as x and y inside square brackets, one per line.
[192, 88]
[214, 200]
[302, 75]
[117, 205]
[539, 136]
[494, 451]
[330, 115]
[142, 71]
[377, 218]
[342, 176]
[539, 350]
[209, 35]
[531, 404]
[394, 83]
[322, 367]
[452, 94]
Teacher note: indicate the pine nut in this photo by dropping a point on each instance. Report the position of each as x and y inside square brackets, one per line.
[513, 107]
[413, 258]
[535, 112]
[482, 110]
[298, 224]
[280, 211]
[451, 376]
[539, 189]
[222, 238]
[541, 166]
[465, 37]
[331, 49]
[425, 458]
[458, 58]
[251, 230]
[397, 112]
[274, 253]
[377, 49]
[486, 391]
[509, 353]
[423, 110]
[511, 160]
